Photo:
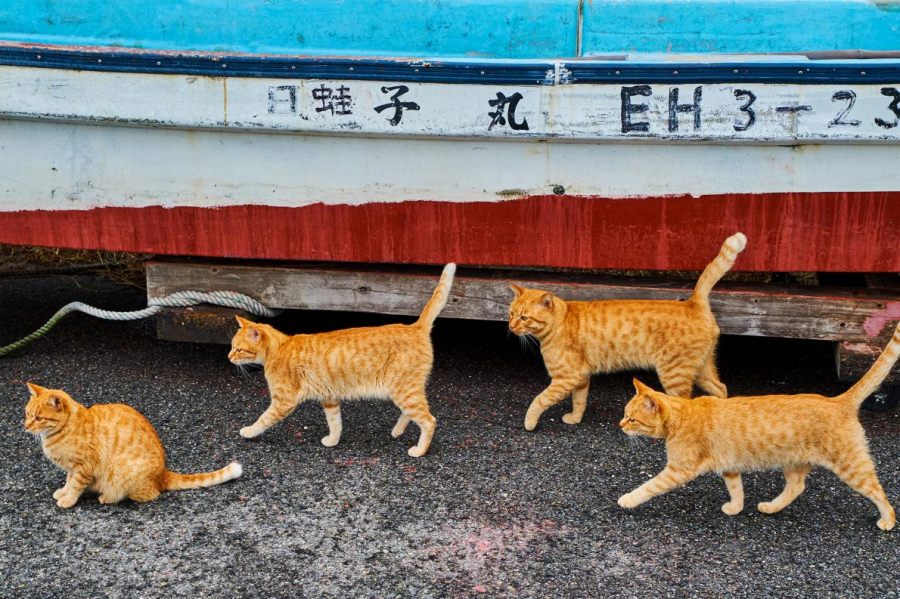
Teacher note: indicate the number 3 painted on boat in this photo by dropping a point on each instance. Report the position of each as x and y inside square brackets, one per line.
[894, 107]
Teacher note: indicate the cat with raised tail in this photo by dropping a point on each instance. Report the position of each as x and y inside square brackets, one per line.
[110, 449]
[676, 338]
[392, 361]
[790, 432]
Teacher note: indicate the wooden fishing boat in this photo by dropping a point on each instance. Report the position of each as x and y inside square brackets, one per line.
[558, 134]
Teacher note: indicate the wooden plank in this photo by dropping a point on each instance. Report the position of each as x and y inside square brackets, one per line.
[760, 310]
[854, 358]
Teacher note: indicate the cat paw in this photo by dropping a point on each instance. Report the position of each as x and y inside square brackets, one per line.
[767, 507]
[248, 433]
[59, 492]
[628, 501]
[571, 418]
[330, 441]
[416, 452]
[887, 524]
[530, 423]
[66, 501]
[105, 499]
[397, 431]
[732, 509]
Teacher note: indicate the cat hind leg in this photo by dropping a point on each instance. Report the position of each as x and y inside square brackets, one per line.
[677, 379]
[858, 472]
[414, 406]
[794, 484]
[142, 493]
[708, 378]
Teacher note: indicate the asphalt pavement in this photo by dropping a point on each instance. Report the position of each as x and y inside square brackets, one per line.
[491, 511]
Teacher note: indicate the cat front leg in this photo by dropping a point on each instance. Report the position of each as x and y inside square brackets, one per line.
[555, 393]
[670, 478]
[281, 407]
[400, 427]
[579, 403]
[59, 492]
[735, 491]
[75, 486]
[332, 409]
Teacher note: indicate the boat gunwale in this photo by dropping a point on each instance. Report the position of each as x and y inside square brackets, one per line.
[752, 68]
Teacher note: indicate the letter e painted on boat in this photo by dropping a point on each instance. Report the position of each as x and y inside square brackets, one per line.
[629, 108]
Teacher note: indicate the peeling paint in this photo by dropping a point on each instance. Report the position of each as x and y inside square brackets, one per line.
[686, 112]
[875, 323]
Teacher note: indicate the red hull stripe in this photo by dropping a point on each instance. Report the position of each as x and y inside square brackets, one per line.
[857, 231]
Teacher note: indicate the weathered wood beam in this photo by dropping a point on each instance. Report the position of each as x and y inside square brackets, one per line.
[857, 315]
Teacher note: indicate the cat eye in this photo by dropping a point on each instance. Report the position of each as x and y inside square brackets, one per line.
[523, 318]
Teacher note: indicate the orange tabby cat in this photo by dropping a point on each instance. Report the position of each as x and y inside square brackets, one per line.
[389, 361]
[108, 448]
[791, 432]
[578, 339]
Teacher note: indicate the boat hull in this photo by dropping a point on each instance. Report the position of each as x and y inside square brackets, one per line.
[586, 164]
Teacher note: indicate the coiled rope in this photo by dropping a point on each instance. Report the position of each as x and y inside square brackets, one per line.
[181, 299]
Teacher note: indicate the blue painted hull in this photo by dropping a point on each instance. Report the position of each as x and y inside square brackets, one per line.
[473, 29]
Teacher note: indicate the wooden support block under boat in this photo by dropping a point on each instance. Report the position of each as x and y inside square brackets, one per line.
[853, 316]
[200, 324]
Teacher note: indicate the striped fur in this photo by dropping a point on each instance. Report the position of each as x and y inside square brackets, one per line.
[108, 448]
[389, 361]
[677, 339]
[792, 432]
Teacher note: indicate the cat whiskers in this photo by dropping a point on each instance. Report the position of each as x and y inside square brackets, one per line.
[638, 440]
[244, 369]
[529, 341]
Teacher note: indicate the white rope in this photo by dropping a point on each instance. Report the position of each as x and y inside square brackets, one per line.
[181, 299]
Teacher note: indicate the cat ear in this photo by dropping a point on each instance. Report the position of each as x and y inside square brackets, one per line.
[547, 301]
[517, 289]
[242, 322]
[639, 386]
[650, 404]
[253, 333]
[35, 390]
[55, 402]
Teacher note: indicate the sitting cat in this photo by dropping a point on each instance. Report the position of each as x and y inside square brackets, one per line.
[791, 432]
[388, 361]
[108, 448]
[578, 339]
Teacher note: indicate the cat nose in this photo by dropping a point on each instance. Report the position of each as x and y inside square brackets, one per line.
[622, 422]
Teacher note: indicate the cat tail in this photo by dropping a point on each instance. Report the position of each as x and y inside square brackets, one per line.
[870, 381]
[716, 269]
[438, 298]
[173, 481]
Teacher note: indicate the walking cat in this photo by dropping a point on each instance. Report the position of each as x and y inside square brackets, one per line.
[791, 432]
[108, 448]
[388, 361]
[578, 339]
